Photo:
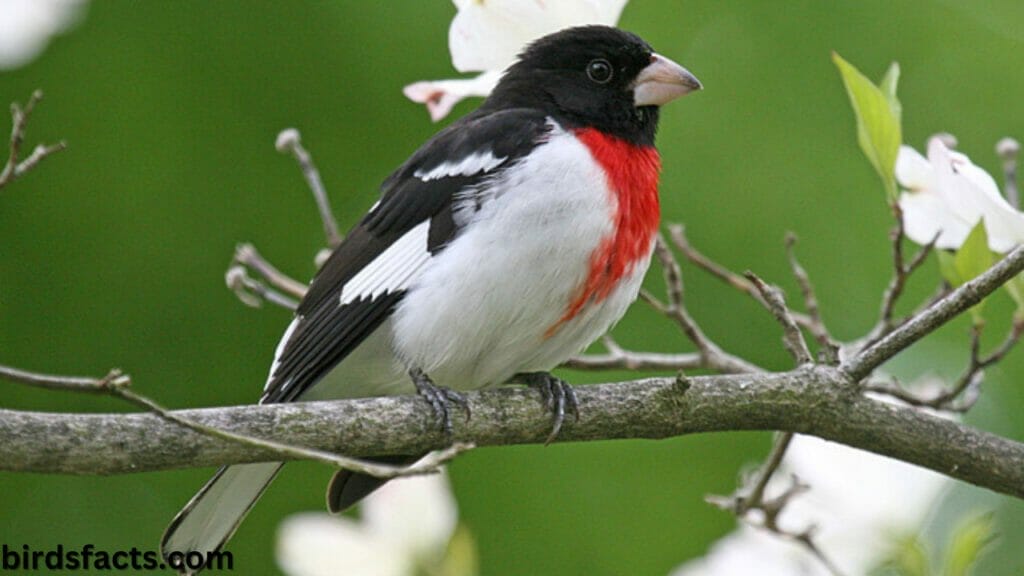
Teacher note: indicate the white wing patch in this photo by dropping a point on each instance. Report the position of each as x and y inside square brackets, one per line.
[472, 164]
[277, 353]
[393, 270]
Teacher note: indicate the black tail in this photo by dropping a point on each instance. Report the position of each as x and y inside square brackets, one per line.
[348, 488]
[211, 517]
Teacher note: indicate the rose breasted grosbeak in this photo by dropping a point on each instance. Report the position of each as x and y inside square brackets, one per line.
[507, 243]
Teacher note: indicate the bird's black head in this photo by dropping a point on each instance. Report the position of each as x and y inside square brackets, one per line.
[594, 76]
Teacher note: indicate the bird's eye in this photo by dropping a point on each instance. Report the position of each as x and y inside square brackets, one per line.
[599, 71]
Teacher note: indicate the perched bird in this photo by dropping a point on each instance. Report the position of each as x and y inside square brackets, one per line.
[507, 243]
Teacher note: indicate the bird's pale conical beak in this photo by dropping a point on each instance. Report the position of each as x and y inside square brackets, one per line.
[663, 81]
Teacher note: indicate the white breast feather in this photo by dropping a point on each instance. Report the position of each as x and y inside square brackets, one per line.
[479, 311]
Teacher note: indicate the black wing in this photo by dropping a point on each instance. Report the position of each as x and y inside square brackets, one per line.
[348, 299]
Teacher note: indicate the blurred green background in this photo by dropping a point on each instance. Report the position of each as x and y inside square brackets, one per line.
[113, 252]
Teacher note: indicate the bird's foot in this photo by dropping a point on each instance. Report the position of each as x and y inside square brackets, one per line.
[439, 398]
[558, 396]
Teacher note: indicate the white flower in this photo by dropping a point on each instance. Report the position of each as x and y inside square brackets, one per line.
[440, 96]
[405, 525]
[487, 35]
[860, 503]
[947, 195]
[27, 25]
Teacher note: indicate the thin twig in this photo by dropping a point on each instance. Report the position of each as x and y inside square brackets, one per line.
[290, 141]
[712, 356]
[806, 539]
[114, 378]
[936, 315]
[619, 358]
[283, 290]
[755, 496]
[248, 256]
[19, 121]
[751, 498]
[1008, 149]
[962, 395]
[253, 292]
[792, 338]
[678, 235]
[829, 349]
[631, 360]
[674, 308]
[117, 384]
[611, 344]
[901, 272]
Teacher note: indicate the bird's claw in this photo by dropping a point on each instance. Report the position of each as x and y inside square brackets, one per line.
[558, 396]
[440, 399]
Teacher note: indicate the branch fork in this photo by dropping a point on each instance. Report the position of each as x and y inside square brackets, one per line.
[15, 168]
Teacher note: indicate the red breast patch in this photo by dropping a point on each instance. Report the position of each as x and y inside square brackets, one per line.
[632, 173]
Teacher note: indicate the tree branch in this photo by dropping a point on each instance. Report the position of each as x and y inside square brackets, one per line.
[751, 498]
[819, 401]
[961, 396]
[934, 316]
[118, 384]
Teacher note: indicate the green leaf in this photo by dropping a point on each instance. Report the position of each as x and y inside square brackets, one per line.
[971, 260]
[947, 267]
[878, 118]
[460, 558]
[908, 558]
[970, 540]
[888, 87]
[1015, 287]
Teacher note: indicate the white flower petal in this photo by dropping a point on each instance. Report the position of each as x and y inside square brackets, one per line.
[488, 35]
[441, 96]
[608, 11]
[752, 551]
[26, 27]
[913, 171]
[926, 214]
[416, 514]
[958, 192]
[1004, 224]
[316, 544]
[950, 194]
[858, 501]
